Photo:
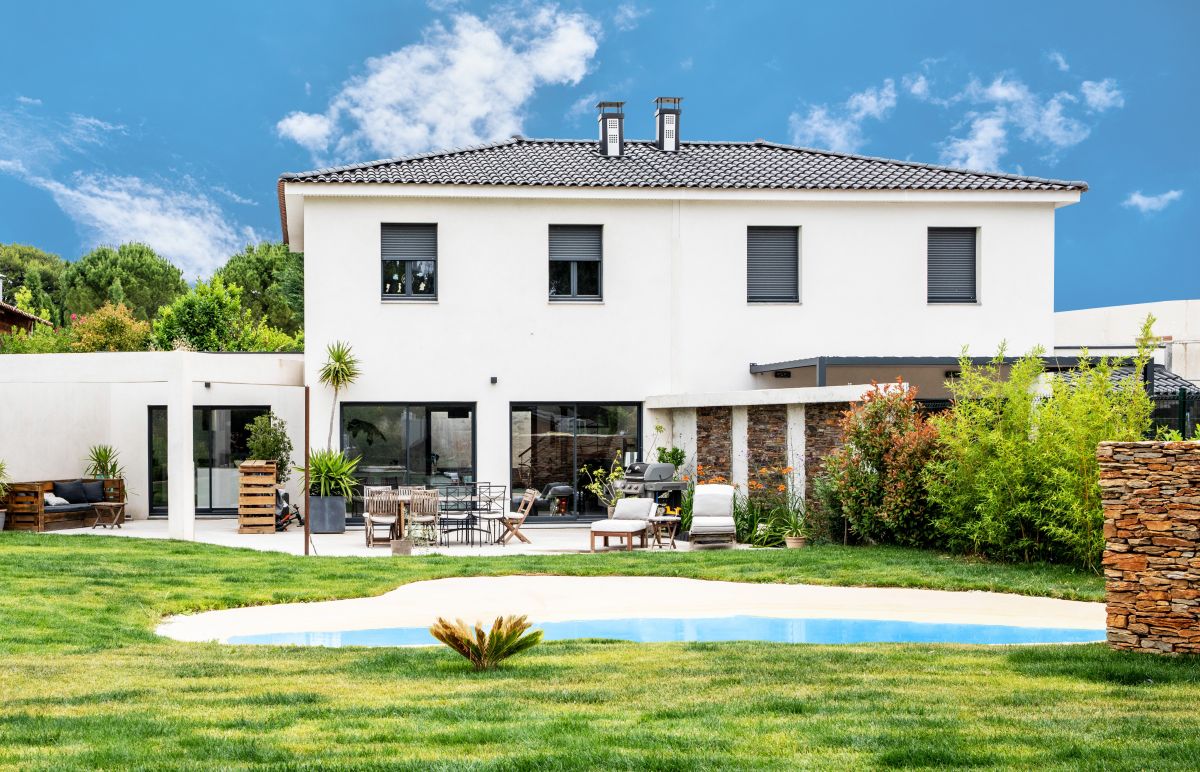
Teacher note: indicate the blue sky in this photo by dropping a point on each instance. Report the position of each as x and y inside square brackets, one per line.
[170, 122]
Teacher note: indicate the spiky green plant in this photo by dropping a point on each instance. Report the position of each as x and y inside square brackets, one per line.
[339, 371]
[486, 650]
[4, 481]
[330, 473]
[104, 461]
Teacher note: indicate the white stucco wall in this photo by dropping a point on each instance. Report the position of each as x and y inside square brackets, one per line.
[1116, 329]
[53, 407]
[674, 317]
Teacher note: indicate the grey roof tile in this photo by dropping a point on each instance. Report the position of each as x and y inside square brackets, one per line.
[757, 165]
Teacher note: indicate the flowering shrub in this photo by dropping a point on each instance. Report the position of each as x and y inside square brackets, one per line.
[874, 480]
[109, 328]
[770, 504]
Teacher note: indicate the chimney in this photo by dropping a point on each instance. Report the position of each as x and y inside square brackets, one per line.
[666, 123]
[612, 128]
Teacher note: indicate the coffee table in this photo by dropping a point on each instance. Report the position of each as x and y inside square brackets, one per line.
[109, 513]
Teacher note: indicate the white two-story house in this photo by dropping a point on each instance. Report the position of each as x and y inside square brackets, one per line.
[524, 308]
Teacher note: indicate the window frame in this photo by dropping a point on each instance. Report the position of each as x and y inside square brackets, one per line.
[975, 295]
[795, 300]
[574, 296]
[408, 296]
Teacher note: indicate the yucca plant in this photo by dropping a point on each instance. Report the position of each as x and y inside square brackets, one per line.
[486, 650]
[330, 473]
[4, 481]
[339, 371]
[103, 462]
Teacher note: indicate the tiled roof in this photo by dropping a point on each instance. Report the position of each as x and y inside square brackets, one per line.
[1166, 383]
[14, 311]
[747, 165]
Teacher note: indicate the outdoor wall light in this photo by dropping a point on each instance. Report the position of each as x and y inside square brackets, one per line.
[495, 379]
[207, 385]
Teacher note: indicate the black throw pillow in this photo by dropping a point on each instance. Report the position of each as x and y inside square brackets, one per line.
[71, 491]
[93, 491]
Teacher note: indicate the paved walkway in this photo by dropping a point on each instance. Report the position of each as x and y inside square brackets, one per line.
[556, 598]
[548, 539]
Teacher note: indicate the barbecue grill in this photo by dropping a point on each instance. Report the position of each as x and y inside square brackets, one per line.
[651, 480]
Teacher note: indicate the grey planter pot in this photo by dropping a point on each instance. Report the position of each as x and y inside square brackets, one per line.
[327, 514]
[3, 515]
[402, 546]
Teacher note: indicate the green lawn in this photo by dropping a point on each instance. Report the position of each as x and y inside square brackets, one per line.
[85, 683]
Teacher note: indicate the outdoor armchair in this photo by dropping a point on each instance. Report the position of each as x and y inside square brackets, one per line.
[631, 517]
[712, 515]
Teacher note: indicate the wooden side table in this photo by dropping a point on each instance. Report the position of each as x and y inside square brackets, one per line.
[664, 528]
[109, 513]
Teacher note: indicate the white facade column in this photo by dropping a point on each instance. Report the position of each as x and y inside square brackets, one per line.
[796, 446]
[181, 462]
[739, 444]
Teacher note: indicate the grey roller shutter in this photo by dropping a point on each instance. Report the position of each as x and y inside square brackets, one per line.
[409, 242]
[576, 242]
[952, 265]
[773, 265]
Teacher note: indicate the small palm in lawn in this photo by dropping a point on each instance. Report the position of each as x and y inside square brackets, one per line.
[339, 371]
[486, 650]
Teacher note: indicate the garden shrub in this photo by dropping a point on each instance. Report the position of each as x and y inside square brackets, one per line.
[110, 328]
[1016, 476]
[771, 498]
[874, 481]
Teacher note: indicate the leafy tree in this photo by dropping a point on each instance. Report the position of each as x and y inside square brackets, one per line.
[269, 441]
[272, 282]
[208, 318]
[110, 328]
[26, 266]
[133, 274]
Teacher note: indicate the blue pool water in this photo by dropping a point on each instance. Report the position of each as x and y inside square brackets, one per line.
[738, 628]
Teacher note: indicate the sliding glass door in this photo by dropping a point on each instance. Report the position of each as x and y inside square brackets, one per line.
[402, 443]
[552, 442]
[219, 437]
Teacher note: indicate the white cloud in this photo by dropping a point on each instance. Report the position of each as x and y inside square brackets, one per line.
[181, 223]
[310, 131]
[583, 106]
[1145, 204]
[461, 85]
[1102, 95]
[840, 128]
[917, 85]
[234, 197]
[982, 148]
[36, 140]
[628, 16]
[28, 100]
[687, 64]
[1059, 61]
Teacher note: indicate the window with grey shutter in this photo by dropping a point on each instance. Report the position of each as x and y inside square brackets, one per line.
[952, 265]
[409, 262]
[772, 264]
[576, 259]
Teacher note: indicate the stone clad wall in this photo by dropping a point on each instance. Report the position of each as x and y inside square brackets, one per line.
[714, 441]
[822, 436]
[766, 437]
[1151, 494]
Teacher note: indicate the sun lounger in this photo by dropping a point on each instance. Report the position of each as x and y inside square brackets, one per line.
[712, 515]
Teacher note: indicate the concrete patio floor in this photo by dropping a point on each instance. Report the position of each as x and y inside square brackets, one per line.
[548, 539]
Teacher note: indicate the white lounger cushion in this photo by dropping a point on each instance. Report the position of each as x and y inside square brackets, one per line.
[633, 509]
[713, 525]
[613, 525]
[713, 501]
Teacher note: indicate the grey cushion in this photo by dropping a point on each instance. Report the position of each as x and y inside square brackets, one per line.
[713, 501]
[71, 491]
[633, 509]
[618, 526]
[93, 491]
[713, 525]
[68, 508]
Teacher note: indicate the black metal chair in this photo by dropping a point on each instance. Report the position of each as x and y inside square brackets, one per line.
[457, 512]
[490, 510]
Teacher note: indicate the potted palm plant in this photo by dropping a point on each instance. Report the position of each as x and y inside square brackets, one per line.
[792, 525]
[3, 493]
[331, 484]
[103, 463]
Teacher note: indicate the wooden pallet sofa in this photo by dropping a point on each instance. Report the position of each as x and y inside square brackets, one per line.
[27, 509]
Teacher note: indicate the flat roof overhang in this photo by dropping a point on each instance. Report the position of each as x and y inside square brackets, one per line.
[821, 363]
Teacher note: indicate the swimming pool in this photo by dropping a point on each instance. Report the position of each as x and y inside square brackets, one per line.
[730, 628]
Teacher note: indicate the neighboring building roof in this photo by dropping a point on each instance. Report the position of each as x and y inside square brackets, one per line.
[7, 310]
[1166, 383]
[751, 165]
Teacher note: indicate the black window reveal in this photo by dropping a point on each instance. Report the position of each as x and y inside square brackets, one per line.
[952, 265]
[576, 257]
[409, 262]
[772, 264]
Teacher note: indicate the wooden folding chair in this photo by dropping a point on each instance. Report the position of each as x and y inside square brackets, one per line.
[381, 507]
[512, 521]
[423, 516]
